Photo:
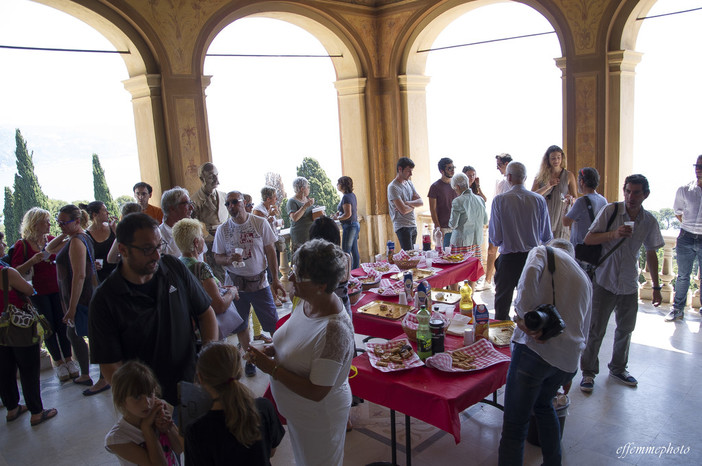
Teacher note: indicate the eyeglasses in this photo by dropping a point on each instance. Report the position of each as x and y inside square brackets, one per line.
[60, 223]
[450, 168]
[149, 250]
[698, 166]
[232, 202]
[250, 204]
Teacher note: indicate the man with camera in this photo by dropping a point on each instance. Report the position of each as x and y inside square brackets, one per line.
[616, 285]
[553, 311]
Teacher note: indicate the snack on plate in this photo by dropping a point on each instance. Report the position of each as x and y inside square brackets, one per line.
[382, 363]
[453, 257]
[463, 361]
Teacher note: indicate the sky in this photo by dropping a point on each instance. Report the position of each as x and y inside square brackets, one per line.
[482, 100]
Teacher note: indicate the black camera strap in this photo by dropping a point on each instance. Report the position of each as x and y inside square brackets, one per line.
[551, 268]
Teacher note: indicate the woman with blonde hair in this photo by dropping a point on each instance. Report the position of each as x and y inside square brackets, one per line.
[34, 255]
[189, 235]
[238, 429]
[77, 279]
[558, 186]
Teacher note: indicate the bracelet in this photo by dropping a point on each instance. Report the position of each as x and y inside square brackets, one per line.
[657, 288]
[274, 371]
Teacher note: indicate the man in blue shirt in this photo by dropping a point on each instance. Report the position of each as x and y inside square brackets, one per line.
[518, 223]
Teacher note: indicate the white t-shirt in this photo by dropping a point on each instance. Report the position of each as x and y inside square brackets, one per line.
[251, 236]
[123, 432]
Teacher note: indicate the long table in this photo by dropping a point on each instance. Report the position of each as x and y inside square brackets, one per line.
[384, 328]
[428, 394]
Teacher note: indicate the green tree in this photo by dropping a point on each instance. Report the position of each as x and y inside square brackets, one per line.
[321, 187]
[274, 180]
[100, 188]
[53, 208]
[123, 200]
[27, 192]
[10, 218]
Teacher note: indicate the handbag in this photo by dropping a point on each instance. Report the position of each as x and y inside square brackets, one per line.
[20, 327]
[592, 253]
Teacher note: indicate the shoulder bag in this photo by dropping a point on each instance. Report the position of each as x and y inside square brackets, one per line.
[592, 253]
[20, 327]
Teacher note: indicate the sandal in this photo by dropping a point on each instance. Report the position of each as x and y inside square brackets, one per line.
[87, 382]
[45, 416]
[21, 409]
[263, 338]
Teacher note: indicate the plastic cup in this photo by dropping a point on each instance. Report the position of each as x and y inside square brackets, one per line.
[630, 224]
[447, 250]
[378, 257]
[238, 251]
[428, 261]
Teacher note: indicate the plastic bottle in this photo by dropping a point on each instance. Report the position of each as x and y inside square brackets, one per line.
[391, 252]
[466, 304]
[423, 295]
[438, 240]
[423, 333]
[426, 239]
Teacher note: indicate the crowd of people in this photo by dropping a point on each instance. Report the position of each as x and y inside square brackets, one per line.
[161, 285]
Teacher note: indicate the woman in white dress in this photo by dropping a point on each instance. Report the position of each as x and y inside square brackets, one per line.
[310, 358]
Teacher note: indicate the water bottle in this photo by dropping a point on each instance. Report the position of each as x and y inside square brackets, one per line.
[426, 239]
[423, 333]
[438, 240]
[466, 304]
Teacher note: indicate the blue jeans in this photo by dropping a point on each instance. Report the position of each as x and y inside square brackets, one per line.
[349, 241]
[263, 304]
[687, 249]
[531, 385]
[406, 236]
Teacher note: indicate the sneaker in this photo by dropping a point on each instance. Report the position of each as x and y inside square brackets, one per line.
[587, 384]
[62, 373]
[480, 285]
[625, 378]
[73, 369]
[675, 315]
[249, 369]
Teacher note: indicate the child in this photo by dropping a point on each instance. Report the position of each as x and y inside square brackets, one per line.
[145, 434]
[238, 429]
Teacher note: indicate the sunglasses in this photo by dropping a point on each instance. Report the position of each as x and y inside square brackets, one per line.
[60, 223]
[232, 202]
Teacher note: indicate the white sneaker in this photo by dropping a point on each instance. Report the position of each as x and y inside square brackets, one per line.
[62, 373]
[480, 284]
[73, 369]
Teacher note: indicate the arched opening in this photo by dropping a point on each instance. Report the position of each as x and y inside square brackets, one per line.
[471, 103]
[68, 105]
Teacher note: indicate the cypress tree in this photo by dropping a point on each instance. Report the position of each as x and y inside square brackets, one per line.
[28, 192]
[321, 187]
[102, 192]
[274, 180]
[9, 218]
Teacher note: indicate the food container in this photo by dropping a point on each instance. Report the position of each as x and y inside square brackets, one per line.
[355, 297]
[369, 282]
[407, 263]
[392, 311]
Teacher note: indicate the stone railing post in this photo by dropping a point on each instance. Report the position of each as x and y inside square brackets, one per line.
[665, 274]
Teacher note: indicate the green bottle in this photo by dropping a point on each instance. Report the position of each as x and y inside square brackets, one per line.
[423, 333]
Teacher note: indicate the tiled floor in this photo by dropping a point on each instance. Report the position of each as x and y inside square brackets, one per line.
[606, 427]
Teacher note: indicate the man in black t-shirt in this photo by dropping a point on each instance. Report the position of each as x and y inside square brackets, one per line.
[146, 310]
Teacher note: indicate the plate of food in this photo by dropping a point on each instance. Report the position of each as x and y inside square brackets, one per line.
[392, 311]
[501, 332]
[451, 259]
[369, 281]
[475, 357]
[395, 355]
[382, 268]
[445, 296]
[417, 275]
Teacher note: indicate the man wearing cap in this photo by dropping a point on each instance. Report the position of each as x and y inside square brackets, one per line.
[688, 210]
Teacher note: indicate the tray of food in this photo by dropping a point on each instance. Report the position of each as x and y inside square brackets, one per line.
[382, 268]
[445, 296]
[475, 357]
[451, 259]
[501, 332]
[417, 275]
[395, 355]
[392, 311]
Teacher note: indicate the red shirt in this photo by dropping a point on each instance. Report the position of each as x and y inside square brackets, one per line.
[14, 299]
[44, 280]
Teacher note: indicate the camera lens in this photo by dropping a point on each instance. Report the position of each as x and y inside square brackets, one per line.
[535, 320]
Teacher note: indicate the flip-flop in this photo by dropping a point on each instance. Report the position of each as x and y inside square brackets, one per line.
[263, 338]
[22, 409]
[87, 382]
[88, 392]
[45, 416]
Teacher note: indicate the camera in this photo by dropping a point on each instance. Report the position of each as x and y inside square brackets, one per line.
[547, 319]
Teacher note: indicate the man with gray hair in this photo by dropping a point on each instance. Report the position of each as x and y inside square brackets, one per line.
[539, 367]
[176, 205]
[519, 222]
[209, 208]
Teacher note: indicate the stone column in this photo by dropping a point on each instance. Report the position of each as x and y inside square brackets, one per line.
[152, 146]
[186, 127]
[620, 119]
[413, 92]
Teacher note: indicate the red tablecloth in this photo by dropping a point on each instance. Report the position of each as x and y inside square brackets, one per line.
[385, 328]
[429, 395]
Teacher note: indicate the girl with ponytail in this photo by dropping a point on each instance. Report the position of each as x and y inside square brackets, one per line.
[238, 429]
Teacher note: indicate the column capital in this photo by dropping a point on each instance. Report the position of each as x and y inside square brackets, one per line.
[413, 82]
[351, 86]
[144, 85]
[561, 64]
[624, 61]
